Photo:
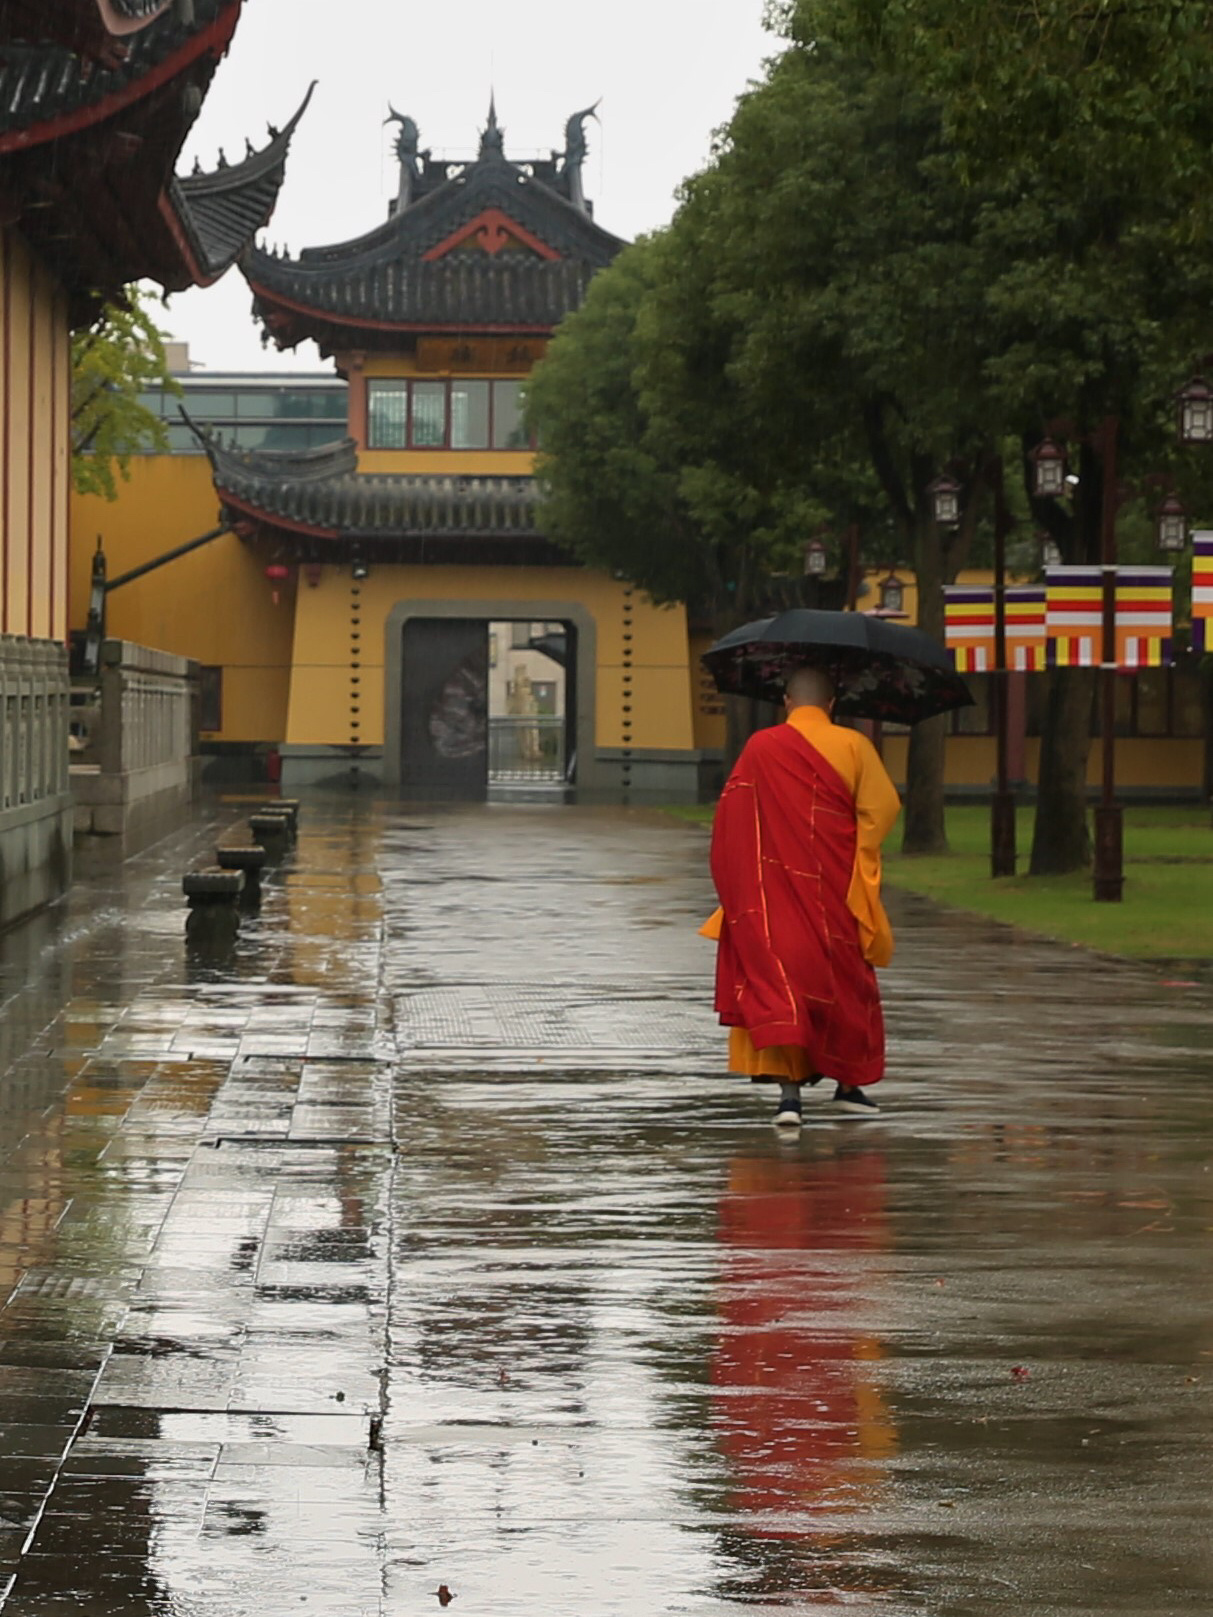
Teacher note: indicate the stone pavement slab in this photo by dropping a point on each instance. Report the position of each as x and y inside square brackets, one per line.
[423, 1241]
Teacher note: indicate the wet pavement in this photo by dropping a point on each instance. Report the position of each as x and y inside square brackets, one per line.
[423, 1244]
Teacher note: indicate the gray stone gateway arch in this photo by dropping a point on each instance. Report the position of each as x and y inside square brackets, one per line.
[405, 695]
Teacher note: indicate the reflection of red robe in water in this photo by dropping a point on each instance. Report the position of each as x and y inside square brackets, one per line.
[796, 863]
[796, 1409]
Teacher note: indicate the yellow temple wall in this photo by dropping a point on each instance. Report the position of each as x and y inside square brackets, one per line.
[214, 605]
[448, 462]
[35, 409]
[661, 716]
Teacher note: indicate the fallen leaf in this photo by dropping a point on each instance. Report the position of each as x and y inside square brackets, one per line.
[444, 1595]
[503, 1379]
[1020, 1372]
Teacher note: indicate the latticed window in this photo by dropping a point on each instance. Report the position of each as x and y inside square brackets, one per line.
[388, 408]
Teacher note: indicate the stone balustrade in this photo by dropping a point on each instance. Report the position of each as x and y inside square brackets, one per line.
[33, 721]
[139, 766]
[35, 805]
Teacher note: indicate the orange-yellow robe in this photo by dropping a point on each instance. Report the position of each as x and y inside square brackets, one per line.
[859, 768]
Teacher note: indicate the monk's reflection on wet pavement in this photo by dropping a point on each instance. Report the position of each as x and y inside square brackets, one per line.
[797, 1405]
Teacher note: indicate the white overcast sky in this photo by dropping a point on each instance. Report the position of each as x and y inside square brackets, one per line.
[667, 71]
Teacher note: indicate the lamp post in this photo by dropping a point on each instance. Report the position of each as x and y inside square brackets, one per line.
[1171, 525]
[1002, 806]
[816, 560]
[1109, 820]
[1195, 412]
[1049, 481]
[945, 500]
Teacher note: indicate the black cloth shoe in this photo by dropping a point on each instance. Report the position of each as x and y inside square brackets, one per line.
[855, 1101]
[787, 1113]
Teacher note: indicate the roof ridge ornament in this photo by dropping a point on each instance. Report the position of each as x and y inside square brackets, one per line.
[408, 153]
[492, 137]
[576, 149]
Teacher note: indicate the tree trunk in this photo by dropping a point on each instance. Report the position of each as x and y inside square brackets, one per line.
[924, 829]
[1061, 839]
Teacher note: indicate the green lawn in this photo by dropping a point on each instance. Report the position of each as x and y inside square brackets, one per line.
[1167, 910]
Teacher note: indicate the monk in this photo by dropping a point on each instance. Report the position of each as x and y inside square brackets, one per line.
[796, 863]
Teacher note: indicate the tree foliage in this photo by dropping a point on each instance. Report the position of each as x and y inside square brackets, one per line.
[114, 360]
[936, 230]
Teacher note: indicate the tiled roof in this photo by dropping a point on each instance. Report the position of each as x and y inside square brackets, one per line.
[392, 278]
[321, 491]
[463, 289]
[95, 28]
[42, 84]
[222, 210]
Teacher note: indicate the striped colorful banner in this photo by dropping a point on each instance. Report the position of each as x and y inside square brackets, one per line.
[1074, 616]
[1202, 589]
[1026, 638]
[1145, 620]
[969, 627]
[1144, 617]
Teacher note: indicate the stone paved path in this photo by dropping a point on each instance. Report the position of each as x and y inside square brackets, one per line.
[423, 1243]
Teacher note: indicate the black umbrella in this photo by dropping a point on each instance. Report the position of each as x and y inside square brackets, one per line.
[881, 670]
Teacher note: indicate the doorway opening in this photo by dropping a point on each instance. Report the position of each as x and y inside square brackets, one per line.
[487, 705]
[530, 742]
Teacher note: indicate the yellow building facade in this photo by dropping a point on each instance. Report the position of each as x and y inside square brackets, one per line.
[348, 615]
[35, 407]
[95, 104]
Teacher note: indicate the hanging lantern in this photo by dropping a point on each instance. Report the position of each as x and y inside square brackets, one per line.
[1172, 525]
[277, 574]
[945, 500]
[1050, 550]
[816, 559]
[892, 594]
[1048, 470]
[1196, 412]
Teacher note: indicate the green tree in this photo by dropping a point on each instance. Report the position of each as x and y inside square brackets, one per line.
[646, 467]
[839, 251]
[114, 360]
[764, 365]
[1083, 128]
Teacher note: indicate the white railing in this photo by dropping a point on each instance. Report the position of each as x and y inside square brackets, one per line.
[527, 750]
[34, 699]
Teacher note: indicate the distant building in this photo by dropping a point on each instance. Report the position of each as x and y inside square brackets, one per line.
[380, 569]
[96, 99]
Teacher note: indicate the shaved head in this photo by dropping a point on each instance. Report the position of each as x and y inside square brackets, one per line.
[809, 687]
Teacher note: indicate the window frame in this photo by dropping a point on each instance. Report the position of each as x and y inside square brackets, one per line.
[408, 384]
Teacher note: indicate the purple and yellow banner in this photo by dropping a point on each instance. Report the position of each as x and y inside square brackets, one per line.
[1202, 589]
[969, 627]
[1144, 617]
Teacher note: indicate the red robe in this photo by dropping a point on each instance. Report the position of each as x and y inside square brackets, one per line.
[789, 966]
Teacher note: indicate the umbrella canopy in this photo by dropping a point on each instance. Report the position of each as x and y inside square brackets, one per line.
[881, 670]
